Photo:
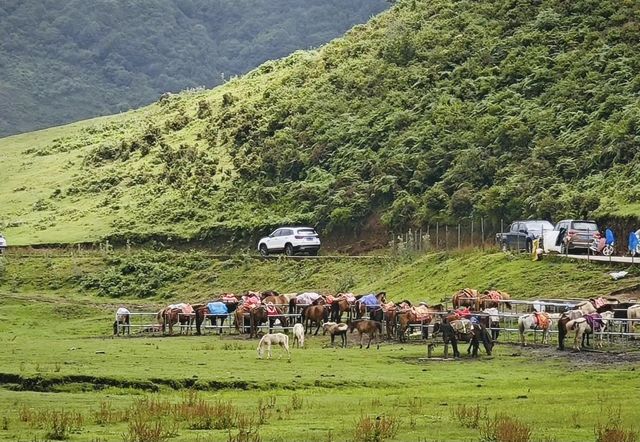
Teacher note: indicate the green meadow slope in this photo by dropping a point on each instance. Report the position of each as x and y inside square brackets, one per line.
[432, 111]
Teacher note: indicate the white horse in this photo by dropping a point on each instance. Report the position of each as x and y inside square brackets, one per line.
[270, 339]
[122, 322]
[298, 335]
[581, 326]
[633, 312]
[529, 322]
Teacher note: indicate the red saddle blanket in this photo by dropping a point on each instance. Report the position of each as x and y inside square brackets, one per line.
[542, 320]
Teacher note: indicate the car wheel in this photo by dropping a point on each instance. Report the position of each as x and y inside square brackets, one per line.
[313, 253]
[607, 251]
[263, 250]
[504, 247]
[288, 250]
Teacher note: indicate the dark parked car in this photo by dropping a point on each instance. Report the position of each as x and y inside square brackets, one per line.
[521, 234]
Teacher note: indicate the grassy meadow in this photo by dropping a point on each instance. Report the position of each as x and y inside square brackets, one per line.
[63, 374]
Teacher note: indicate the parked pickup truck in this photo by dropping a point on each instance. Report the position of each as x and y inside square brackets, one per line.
[521, 234]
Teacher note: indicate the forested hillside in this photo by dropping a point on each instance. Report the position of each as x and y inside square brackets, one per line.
[62, 61]
[434, 110]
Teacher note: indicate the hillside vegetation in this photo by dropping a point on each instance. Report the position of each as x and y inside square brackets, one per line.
[432, 111]
[71, 60]
[194, 276]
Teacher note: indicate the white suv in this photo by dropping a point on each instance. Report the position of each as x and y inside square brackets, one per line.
[290, 240]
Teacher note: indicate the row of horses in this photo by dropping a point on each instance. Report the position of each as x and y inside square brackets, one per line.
[253, 309]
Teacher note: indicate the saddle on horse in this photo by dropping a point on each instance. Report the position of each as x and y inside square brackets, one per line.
[462, 326]
[541, 320]
[595, 322]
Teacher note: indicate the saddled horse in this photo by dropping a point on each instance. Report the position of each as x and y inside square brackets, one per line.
[421, 314]
[314, 314]
[174, 314]
[217, 309]
[390, 316]
[297, 302]
[535, 321]
[465, 331]
[266, 313]
[466, 298]
[562, 325]
[342, 303]
[594, 323]
[493, 299]
[366, 327]
[371, 303]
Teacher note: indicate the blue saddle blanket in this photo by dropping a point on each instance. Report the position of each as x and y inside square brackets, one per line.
[217, 308]
[370, 301]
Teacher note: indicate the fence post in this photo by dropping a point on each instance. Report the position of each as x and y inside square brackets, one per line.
[472, 232]
[446, 236]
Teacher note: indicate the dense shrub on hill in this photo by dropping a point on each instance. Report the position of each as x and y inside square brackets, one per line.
[433, 111]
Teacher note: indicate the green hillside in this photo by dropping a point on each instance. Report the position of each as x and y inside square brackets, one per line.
[432, 111]
[71, 60]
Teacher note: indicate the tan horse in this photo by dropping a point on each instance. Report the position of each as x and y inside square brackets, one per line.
[582, 328]
[466, 298]
[534, 321]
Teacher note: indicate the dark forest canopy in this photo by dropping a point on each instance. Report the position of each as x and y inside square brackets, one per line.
[62, 61]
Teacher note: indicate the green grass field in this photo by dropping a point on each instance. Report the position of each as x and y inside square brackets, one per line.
[58, 356]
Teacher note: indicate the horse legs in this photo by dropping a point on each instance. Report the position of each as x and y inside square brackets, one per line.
[317, 328]
[344, 339]
[369, 343]
[361, 337]
[454, 345]
[268, 349]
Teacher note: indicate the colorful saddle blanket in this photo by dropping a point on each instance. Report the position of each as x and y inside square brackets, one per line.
[463, 312]
[595, 322]
[422, 313]
[494, 295]
[217, 308]
[185, 308]
[229, 298]
[250, 302]
[462, 326]
[370, 301]
[599, 302]
[541, 320]
[272, 310]
[349, 297]
[307, 298]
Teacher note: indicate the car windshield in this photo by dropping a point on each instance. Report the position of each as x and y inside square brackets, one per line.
[539, 226]
[584, 225]
[306, 232]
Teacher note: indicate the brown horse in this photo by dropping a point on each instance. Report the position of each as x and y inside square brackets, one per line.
[261, 314]
[342, 303]
[421, 314]
[390, 316]
[202, 311]
[493, 299]
[364, 303]
[174, 314]
[317, 314]
[466, 298]
[366, 327]
[465, 331]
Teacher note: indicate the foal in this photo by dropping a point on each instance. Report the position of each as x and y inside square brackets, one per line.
[273, 338]
[366, 326]
[336, 329]
[298, 335]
